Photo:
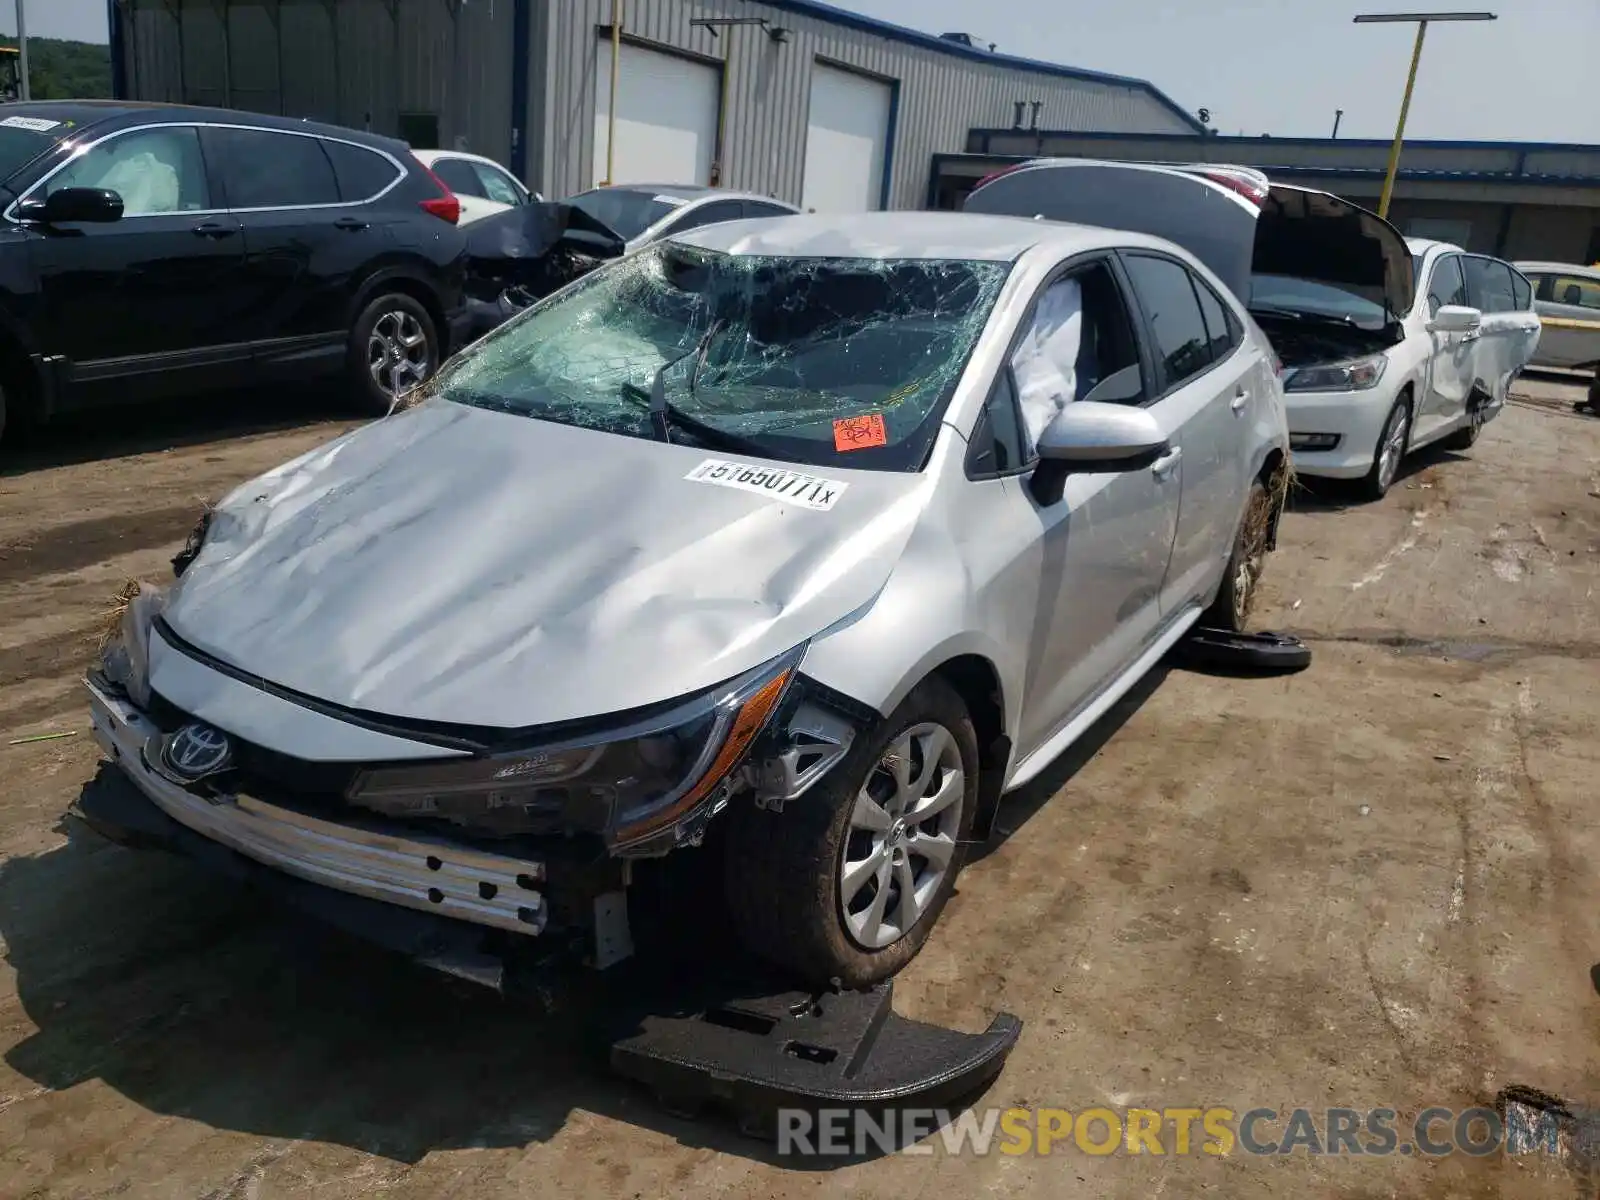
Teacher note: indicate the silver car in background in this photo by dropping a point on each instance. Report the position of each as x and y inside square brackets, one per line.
[799, 541]
[1567, 299]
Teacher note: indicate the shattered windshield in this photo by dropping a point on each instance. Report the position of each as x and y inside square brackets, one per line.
[848, 361]
[626, 213]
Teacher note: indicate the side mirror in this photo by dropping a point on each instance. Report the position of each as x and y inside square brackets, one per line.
[95, 205]
[1091, 437]
[1455, 318]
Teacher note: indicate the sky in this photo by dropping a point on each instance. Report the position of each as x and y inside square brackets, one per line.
[1261, 66]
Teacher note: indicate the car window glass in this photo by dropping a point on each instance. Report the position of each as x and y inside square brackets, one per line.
[361, 174]
[999, 443]
[154, 171]
[1446, 287]
[1165, 290]
[757, 208]
[1576, 291]
[261, 169]
[459, 177]
[1077, 335]
[497, 185]
[1488, 283]
[1521, 289]
[1223, 329]
[707, 214]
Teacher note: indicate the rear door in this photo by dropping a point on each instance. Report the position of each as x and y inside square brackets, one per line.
[310, 232]
[1207, 374]
[1498, 352]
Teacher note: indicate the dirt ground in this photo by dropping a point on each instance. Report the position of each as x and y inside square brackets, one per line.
[1364, 886]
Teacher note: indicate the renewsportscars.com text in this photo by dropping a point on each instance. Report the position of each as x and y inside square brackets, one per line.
[1213, 1130]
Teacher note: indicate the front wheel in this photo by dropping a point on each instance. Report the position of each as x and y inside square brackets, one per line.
[1388, 453]
[394, 347]
[847, 881]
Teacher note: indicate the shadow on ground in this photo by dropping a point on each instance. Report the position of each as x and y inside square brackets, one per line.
[165, 425]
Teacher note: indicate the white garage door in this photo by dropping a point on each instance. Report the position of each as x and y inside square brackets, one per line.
[666, 117]
[847, 141]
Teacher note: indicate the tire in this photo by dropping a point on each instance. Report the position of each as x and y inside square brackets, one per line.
[1396, 437]
[1240, 583]
[394, 346]
[1465, 438]
[785, 876]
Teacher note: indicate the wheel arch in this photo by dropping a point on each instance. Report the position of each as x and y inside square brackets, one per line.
[407, 281]
[977, 681]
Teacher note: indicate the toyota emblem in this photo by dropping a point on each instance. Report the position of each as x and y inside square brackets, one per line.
[196, 751]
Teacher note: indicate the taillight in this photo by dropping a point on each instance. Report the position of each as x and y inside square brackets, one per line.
[993, 175]
[444, 206]
[1242, 185]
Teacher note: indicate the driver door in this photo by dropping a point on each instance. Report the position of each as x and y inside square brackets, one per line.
[146, 303]
[1101, 551]
[1450, 373]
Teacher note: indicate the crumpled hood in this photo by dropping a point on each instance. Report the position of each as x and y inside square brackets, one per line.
[466, 566]
[1308, 234]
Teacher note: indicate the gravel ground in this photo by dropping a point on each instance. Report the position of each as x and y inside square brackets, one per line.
[1364, 886]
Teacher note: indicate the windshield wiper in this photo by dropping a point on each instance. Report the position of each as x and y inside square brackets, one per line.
[1297, 314]
[664, 414]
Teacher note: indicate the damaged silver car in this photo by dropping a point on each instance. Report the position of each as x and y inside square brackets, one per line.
[792, 544]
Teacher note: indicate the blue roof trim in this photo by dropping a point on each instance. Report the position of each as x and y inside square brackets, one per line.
[929, 41]
[1235, 140]
[1422, 174]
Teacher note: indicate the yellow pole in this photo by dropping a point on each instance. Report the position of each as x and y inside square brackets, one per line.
[1400, 129]
[616, 67]
[720, 167]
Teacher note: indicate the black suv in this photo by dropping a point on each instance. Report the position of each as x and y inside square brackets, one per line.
[153, 249]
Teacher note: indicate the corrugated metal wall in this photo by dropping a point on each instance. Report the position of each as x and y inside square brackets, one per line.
[353, 62]
[941, 96]
[363, 63]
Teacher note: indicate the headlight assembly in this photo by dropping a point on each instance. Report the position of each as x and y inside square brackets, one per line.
[634, 785]
[1357, 375]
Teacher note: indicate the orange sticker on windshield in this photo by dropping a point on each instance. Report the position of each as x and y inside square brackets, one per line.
[860, 433]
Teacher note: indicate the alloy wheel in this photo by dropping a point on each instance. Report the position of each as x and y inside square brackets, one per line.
[1394, 446]
[902, 836]
[398, 355]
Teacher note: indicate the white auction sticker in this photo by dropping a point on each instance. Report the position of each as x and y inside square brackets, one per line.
[670, 201]
[37, 124]
[774, 482]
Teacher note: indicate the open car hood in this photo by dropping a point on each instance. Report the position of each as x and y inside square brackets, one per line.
[1315, 235]
[469, 567]
[519, 238]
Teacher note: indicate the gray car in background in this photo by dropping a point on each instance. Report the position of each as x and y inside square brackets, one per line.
[792, 544]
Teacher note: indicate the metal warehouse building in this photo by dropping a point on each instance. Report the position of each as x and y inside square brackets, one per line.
[795, 99]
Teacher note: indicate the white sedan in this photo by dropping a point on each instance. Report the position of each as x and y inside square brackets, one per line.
[1376, 367]
[482, 185]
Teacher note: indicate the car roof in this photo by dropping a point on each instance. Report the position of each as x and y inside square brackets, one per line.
[923, 235]
[1551, 268]
[1423, 245]
[126, 113]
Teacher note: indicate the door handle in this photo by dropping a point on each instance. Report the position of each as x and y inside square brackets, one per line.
[350, 223]
[215, 229]
[1164, 466]
[1240, 399]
